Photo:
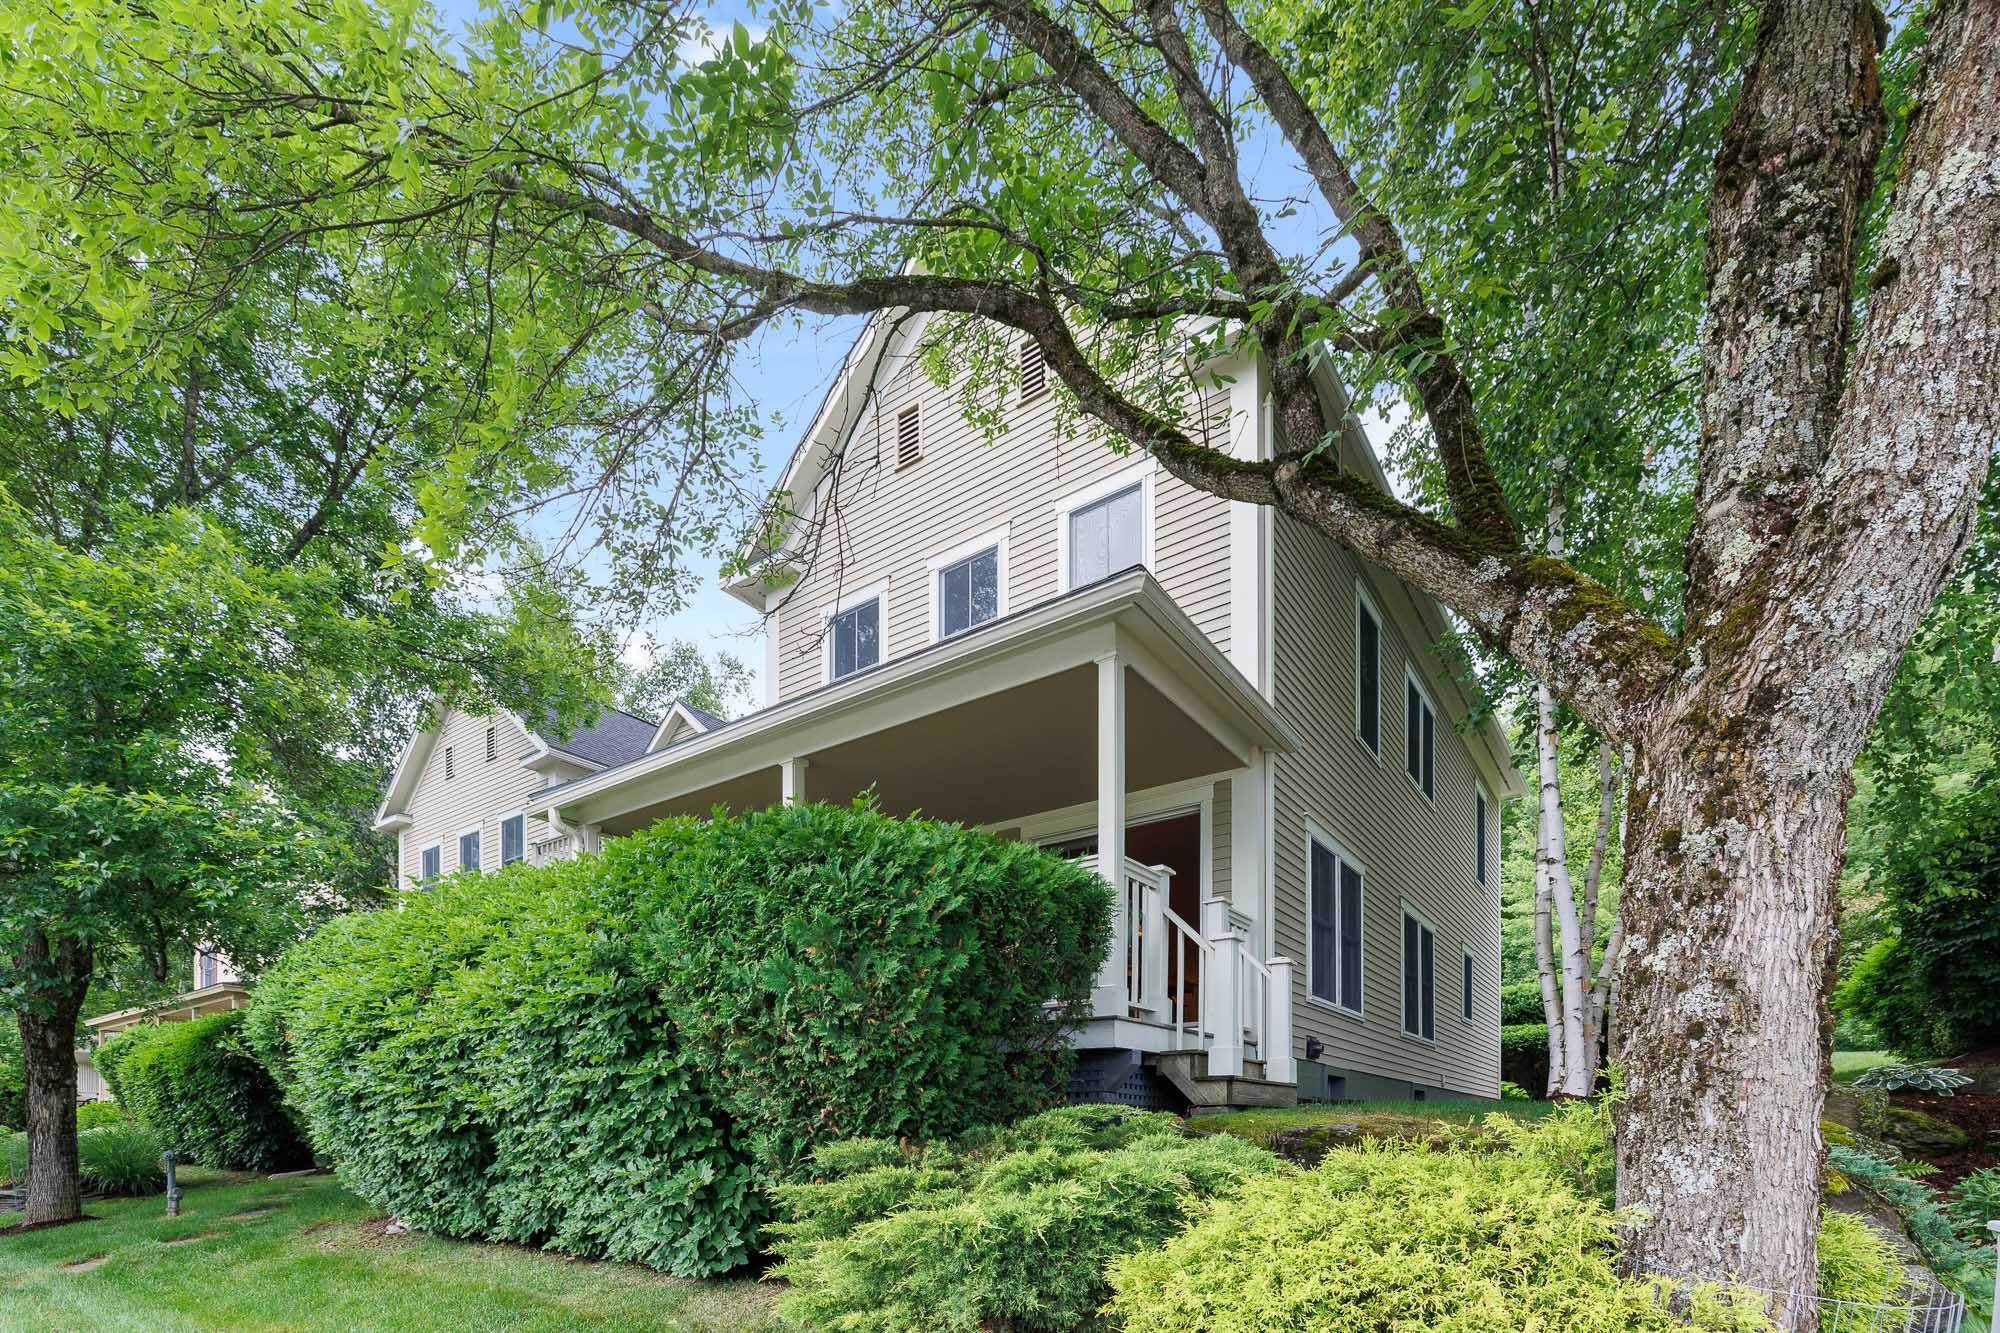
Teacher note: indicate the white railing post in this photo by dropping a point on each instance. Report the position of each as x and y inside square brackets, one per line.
[1276, 1044]
[1222, 991]
[1156, 1000]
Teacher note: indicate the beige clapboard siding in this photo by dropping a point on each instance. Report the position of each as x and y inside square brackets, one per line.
[479, 793]
[1411, 847]
[892, 521]
[1220, 846]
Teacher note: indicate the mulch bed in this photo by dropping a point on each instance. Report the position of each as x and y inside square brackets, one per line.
[1978, 1114]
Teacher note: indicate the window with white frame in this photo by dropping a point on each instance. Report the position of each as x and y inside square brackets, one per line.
[1419, 976]
[854, 636]
[1107, 535]
[1465, 989]
[430, 863]
[1333, 966]
[206, 970]
[966, 589]
[468, 850]
[1481, 838]
[513, 838]
[1419, 735]
[1367, 672]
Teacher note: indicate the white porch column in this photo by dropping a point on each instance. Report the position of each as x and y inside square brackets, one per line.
[1109, 995]
[1222, 990]
[589, 838]
[1275, 1045]
[793, 780]
[1248, 840]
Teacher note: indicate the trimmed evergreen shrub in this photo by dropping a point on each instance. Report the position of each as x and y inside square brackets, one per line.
[1382, 1236]
[836, 972]
[1524, 1056]
[1521, 1003]
[1013, 1232]
[548, 1056]
[197, 1087]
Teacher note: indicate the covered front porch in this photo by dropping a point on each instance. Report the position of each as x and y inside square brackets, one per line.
[1103, 724]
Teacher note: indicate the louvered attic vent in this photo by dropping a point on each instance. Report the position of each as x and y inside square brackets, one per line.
[492, 744]
[1034, 370]
[909, 437]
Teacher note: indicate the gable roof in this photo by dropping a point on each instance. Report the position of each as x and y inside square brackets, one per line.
[614, 738]
[682, 720]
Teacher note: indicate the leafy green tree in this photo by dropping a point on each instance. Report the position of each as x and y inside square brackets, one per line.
[629, 202]
[683, 673]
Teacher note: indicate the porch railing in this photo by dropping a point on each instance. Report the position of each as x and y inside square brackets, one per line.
[1239, 1002]
[544, 850]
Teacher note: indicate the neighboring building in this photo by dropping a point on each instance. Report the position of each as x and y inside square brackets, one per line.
[218, 988]
[1236, 719]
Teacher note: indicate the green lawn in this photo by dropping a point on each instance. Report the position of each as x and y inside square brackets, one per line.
[317, 1260]
[1850, 1065]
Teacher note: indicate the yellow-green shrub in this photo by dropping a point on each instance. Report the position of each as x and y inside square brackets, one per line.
[1858, 1263]
[1386, 1237]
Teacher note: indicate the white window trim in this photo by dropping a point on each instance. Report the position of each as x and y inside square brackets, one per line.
[1141, 472]
[995, 540]
[434, 845]
[1361, 599]
[1468, 963]
[874, 592]
[1416, 779]
[1316, 833]
[465, 833]
[1402, 968]
[1481, 876]
[500, 824]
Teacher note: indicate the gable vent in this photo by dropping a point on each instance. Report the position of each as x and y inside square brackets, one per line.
[1034, 370]
[492, 744]
[450, 765]
[909, 437]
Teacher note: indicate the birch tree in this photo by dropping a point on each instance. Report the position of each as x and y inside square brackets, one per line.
[1080, 177]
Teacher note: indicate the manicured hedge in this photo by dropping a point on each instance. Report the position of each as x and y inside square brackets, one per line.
[1524, 1056]
[835, 972]
[577, 1056]
[1520, 1002]
[200, 1090]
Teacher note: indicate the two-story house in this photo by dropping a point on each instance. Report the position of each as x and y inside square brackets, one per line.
[1245, 727]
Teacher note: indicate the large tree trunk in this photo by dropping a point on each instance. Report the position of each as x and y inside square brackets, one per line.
[1729, 879]
[47, 1024]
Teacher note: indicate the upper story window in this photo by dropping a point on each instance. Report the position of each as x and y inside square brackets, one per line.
[430, 863]
[1419, 976]
[853, 638]
[1419, 735]
[1034, 370]
[1481, 839]
[969, 584]
[909, 436]
[1106, 536]
[1367, 672]
[450, 764]
[206, 971]
[468, 850]
[1465, 989]
[492, 744]
[1334, 956]
[513, 839]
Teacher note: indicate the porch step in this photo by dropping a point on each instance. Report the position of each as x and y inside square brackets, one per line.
[1188, 1072]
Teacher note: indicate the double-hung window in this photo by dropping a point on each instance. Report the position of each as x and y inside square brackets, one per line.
[430, 863]
[513, 839]
[1334, 964]
[468, 850]
[1367, 673]
[1419, 976]
[854, 638]
[968, 592]
[1419, 735]
[1107, 535]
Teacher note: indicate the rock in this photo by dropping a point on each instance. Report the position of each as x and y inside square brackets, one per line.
[1919, 1133]
[1844, 1106]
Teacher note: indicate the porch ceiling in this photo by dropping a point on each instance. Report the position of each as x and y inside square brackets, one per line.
[995, 725]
